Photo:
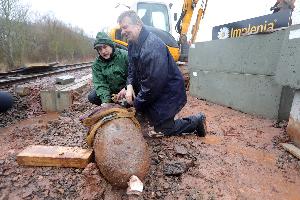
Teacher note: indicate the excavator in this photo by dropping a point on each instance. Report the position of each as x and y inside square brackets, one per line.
[157, 17]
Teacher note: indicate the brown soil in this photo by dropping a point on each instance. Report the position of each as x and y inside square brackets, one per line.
[240, 158]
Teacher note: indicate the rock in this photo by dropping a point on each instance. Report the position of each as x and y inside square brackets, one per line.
[135, 186]
[158, 194]
[22, 90]
[174, 168]
[4, 194]
[121, 151]
[152, 195]
[181, 150]
[166, 185]
[28, 191]
[46, 193]
[61, 190]
[15, 178]
[155, 161]
[161, 155]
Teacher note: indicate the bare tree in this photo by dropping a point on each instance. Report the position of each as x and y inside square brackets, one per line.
[12, 15]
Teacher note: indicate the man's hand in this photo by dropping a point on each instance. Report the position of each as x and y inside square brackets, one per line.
[130, 94]
[121, 94]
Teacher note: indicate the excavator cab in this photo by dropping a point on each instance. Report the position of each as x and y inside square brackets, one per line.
[155, 15]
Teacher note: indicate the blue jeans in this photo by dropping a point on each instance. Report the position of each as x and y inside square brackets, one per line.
[171, 127]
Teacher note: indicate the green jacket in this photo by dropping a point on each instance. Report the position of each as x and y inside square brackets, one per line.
[109, 77]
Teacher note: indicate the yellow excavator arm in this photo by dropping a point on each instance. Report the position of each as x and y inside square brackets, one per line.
[184, 23]
[195, 27]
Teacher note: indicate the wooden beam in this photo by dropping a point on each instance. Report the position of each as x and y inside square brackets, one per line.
[55, 156]
[292, 149]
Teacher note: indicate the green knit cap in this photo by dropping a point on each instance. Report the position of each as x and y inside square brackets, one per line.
[103, 38]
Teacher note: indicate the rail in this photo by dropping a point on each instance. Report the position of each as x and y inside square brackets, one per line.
[25, 74]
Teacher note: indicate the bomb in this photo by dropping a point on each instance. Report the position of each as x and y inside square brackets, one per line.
[119, 146]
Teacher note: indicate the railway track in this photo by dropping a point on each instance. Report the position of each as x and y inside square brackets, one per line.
[25, 74]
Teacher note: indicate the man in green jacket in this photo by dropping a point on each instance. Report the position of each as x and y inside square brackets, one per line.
[109, 71]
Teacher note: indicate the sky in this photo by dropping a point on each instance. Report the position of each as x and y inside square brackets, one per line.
[95, 15]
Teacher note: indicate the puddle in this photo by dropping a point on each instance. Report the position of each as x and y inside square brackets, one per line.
[254, 154]
[42, 119]
[212, 139]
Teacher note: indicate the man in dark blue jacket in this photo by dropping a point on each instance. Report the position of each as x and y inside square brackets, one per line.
[156, 80]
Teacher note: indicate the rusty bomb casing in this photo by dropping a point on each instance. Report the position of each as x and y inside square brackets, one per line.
[121, 151]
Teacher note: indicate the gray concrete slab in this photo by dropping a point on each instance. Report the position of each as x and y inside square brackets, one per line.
[254, 94]
[288, 68]
[256, 74]
[254, 54]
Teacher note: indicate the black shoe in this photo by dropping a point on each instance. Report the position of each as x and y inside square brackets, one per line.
[201, 128]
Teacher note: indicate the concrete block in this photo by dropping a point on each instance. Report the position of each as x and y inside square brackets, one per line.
[56, 156]
[48, 100]
[254, 94]
[293, 128]
[271, 59]
[64, 96]
[22, 90]
[63, 80]
[64, 100]
[288, 68]
[255, 54]
[61, 97]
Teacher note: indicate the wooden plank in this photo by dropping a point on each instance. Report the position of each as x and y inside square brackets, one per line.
[292, 149]
[56, 156]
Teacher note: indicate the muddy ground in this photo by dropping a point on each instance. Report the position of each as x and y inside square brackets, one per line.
[240, 158]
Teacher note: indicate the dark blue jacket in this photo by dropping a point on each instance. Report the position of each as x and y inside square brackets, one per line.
[156, 79]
